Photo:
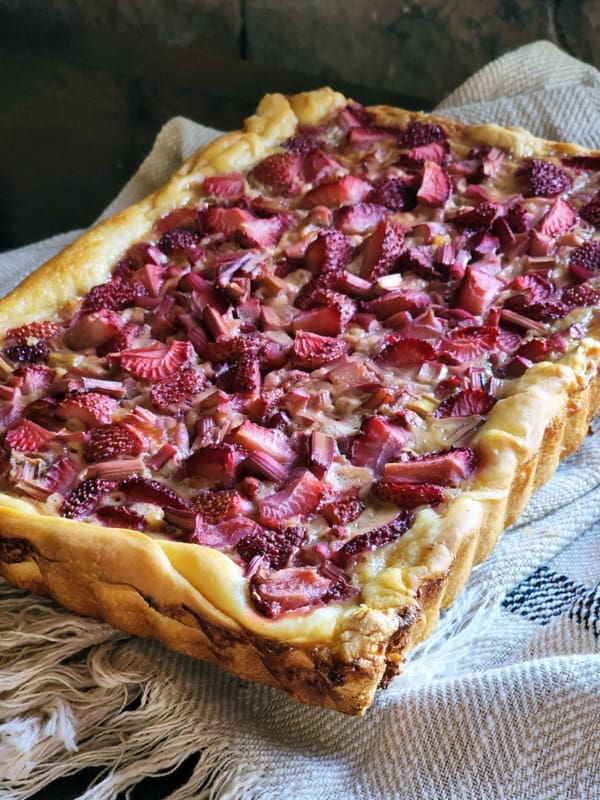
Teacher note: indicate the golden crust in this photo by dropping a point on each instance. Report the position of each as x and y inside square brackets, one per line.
[194, 599]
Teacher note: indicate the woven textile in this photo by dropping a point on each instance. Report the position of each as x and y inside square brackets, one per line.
[502, 700]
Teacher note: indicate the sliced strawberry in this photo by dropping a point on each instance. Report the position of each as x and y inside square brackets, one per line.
[90, 408]
[465, 344]
[318, 165]
[114, 295]
[27, 437]
[377, 443]
[381, 250]
[120, 517]
[390, 303]
[280, 172]
[271, 441]
[367, 542]
[435, 185]
[305, 141]
[35, 378]
[156, 362]
[536, 298]
[181, 241]
[404, 351]
[142, 490]
[311, 351]
[216, 507]
[94, 329]
[294, 589]
[477, 291]
[363, 138]
[326, 321]
[480, 216]
[61, 475]
[540, 349]
[466, 403]
[585, 260]
[421, 133]
[409, 495]
[582, 296]
[34, 330]
[244, 375]
[343, 509]
[179, 218]
[359, 218]
[227, 187]
[546, 179]
[590, 212]
[445, 468]
[416, 156]
[215, 219]
[322, 450]
[346, 190]
[81, 501]
[217, 463]
[112, 441]
[300, 498]
[275, 547]
[394, 194]
[264, 233]
[177, 391]
[329, 252]
[230, 349]
[560, 218]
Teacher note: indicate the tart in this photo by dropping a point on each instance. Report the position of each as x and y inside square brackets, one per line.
[273, 414]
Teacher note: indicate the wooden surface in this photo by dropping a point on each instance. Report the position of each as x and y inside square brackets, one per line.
[80, 111]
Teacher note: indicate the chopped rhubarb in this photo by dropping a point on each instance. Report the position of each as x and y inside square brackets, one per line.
[216, 463]
[271, 441]
[378, 442]
[261, 463]
[446, 468]
[294, 589]
[322, 449]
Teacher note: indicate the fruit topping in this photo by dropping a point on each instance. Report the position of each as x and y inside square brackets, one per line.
[114, 295]
[144, 490]
[364, 543]
[275, 547]
[590, 212]
[560, 218]
[378, 442]
[409, 495]
[394, 194]
[28, 353]
[176, 392]
[120, 517]
[280, 172]
[337, 193]
[381, 250]
[217, 463]
[311, 351]
[435, 185]
[271, 441]
[294, 589]
[28, 437]
[343, 509]
[300, 498]
[219, 506]
[114, 440]
[82, 501]
[157, 362]
[546, 179]
[227, 187]
[446, 468]
[585, 261]
[466, 403]
[89, 408]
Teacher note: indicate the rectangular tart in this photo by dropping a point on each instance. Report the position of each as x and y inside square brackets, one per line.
[272, 414]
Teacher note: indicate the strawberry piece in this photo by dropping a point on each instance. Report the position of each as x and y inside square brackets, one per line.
[477, 291]
[264, 233]
[329, 252]
[181, 241]
[142, 490]
[215, 219]
[120, 517]
[311, 351]
[582, 296]
[217, 463]
[280, 172]
[231, 349]
[363, 138]
[27, 437]
[318, 165]
[294, 589]
[465, 344]
[466, 403]
[377, 442]
[546, 179]
[216, 507]
[479, 216]
[177, 391]
[81, 501]
[560, 218]
[343, 510]
[359, 218]
[409, 495]
[90, 408]
[271, 441]
[94, 329]
[445, 468]
[143, 253]
[393, 193]
[112, 441]
[223, 536]
[35, 378]
[367, 542]
[590, 212]
[416, 156]
[275, 547]
[244, 375]
[28, 353]
[304, 142]
[322, 450]
[346, 190]
[326, 321]
[157, 362]
[390, 303]
[226, 187]
[539, 349]
[404, 351]
[301, 498]
[536, 299]
[435, 185]
[381, 250]
[61, 475]
[421, 133]
[34, 330]
[114, 295]
[179, 218]
[585, 260]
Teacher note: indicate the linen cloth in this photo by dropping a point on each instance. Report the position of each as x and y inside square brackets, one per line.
[502, 700]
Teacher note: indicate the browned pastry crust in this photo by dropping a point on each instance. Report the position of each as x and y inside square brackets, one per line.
[194, 599]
